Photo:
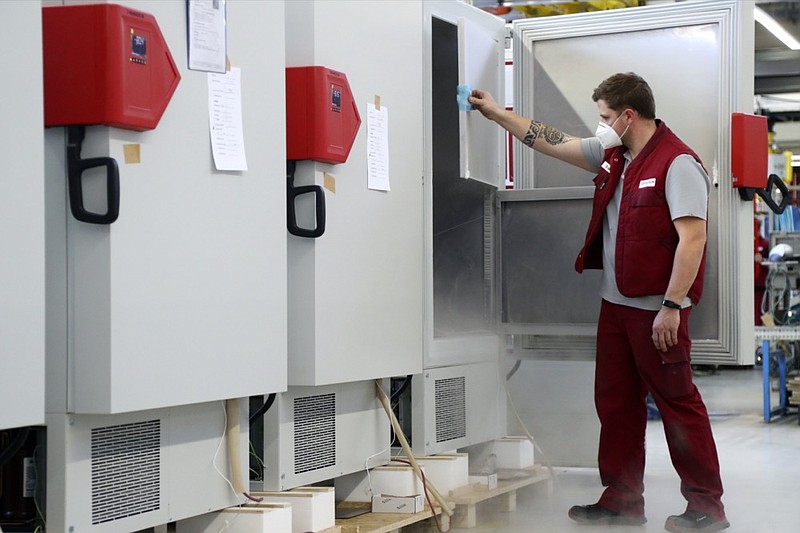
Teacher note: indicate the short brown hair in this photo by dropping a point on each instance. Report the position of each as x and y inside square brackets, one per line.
[627, 90]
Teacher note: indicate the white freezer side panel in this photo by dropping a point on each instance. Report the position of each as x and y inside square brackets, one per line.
[349, 433]
[457, 406]
[22, 291]
[183, 299]
[184, 446]
[356, 293]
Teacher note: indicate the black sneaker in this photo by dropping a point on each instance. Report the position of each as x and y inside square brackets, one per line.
[597, 514]
[695, 521]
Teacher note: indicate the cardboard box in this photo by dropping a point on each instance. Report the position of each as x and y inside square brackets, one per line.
[398, 504]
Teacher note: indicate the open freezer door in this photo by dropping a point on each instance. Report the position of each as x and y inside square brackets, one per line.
[550, 309]
[480, 66]
[460, 307]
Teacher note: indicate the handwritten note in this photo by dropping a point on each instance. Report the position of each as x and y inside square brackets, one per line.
[225, 120]
[377, 148]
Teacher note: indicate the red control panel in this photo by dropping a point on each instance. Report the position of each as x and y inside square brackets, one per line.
[322, 119]
[105, 64]
[749, 150]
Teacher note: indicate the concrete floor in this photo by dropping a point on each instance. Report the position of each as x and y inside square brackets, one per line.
[760, 470]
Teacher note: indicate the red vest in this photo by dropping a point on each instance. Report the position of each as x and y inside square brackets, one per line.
[646, 236]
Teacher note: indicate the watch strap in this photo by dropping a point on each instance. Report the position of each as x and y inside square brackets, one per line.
[670, 304]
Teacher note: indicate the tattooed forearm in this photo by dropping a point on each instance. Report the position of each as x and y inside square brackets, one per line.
[548, 133]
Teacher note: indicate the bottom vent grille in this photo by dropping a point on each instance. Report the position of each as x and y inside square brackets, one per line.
[451, 408]
[126, 465]
[314, 432]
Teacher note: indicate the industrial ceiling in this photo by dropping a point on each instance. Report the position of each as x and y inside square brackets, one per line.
[777, 68]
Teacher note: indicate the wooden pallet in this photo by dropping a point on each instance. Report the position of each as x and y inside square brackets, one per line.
[384, 522]
[467, 498]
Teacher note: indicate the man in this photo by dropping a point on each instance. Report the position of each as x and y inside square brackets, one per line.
[648, 234]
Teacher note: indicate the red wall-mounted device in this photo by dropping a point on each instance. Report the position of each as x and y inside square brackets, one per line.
[105, 64]
[749, 150]
[322, 119]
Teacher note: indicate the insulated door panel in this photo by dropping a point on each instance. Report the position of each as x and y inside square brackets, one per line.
[480, 66]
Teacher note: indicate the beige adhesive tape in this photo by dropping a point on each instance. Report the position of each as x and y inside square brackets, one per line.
[330, 182]
[132, 153]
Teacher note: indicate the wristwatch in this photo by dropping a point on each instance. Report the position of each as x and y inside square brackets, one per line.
[670, 304]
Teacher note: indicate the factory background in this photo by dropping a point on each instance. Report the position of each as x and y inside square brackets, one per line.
[257, 248]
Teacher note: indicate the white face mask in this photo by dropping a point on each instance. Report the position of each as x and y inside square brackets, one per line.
[607, 136]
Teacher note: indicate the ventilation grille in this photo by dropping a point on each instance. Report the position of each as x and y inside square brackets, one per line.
[126, 466]
[314, 432]
[451, 408]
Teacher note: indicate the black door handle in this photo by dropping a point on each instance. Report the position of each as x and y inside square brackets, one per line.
[766, 194]
[75, 169]
[292, 193]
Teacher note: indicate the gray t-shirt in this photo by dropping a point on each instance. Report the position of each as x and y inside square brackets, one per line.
[687, 189]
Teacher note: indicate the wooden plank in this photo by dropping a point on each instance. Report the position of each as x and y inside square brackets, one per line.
[383, 522]
[467, 498]
[472, 494]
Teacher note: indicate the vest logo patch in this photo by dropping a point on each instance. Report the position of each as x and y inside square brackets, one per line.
[647, 183]
[606, 166]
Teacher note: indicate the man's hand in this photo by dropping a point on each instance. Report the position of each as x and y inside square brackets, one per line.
[665, 328]
[486, 105]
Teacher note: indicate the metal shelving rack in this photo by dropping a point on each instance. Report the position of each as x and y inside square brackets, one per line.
[767, 335]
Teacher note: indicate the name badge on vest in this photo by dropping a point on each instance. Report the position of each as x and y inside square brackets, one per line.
[606, 166]
[647, 183]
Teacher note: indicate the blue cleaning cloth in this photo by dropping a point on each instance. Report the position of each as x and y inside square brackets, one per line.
[462, 95]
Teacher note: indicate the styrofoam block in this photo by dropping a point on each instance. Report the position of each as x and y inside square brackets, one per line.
[508, 453]
[389, 479]
[513, 452]
[447, 472]
[313, 508]
[250, 518]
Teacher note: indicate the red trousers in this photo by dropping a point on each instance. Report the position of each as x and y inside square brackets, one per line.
[628, 367]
